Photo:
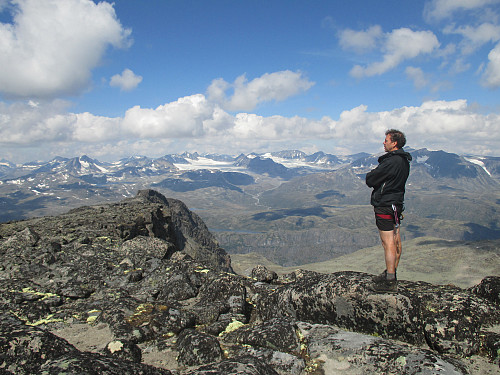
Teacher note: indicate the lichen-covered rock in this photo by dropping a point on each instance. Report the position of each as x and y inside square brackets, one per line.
[334, 351]
[24, 349]
[244, 365]
[262, 274]
[490, 346]
[30, 350]
[282, 363]
[452, 324]
[275, 342]
[227, 290]
[446, 318]
[346, 300]
[149, 214]
[197, 348]
[158, 319]
[123, 349]
[488, 288]
[147, 270]
[278, 334]
[95, 364]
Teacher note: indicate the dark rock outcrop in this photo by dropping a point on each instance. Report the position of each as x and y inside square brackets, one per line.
[91, 229]
[29, 350]
[197, 348]
[446, 318]
[261, 273]
[488, 288]
[245, 365]
[149, 271]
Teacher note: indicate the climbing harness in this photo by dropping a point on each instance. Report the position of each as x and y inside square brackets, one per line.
[396, 216]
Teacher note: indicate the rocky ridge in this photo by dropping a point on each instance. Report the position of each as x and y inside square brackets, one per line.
[151, 292]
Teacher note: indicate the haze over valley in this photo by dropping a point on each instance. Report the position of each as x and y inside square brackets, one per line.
[290, 207]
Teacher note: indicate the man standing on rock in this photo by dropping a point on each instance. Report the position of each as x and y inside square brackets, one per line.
[388, 182]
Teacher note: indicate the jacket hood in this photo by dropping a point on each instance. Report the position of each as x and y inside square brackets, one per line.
[399, 152]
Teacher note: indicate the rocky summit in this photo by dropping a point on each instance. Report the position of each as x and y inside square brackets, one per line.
[142, 287]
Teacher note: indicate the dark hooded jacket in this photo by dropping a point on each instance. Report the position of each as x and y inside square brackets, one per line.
[389, 178]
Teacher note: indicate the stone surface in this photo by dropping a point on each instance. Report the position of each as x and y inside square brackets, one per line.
[343, 352]
[261, 273]
[245, 365]
[446, 318]
[151, 284]
[197, 348]
[488, 288]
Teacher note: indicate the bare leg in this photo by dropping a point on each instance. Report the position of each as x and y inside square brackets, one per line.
[390, 249]
[399, 246]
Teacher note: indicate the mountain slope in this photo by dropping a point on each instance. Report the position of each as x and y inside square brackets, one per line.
[426, 259]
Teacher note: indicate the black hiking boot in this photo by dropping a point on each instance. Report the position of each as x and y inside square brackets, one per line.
[385, 286]
[381, 277]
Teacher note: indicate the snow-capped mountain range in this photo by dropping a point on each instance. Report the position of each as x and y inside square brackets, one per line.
[62, 180]
[441, 163]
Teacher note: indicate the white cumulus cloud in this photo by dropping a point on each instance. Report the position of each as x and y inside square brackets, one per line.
[440, 9]
[246, 95]
[491, 76]
[182, 118]
[398, 46]
[48, 129]
[417, 76]
[360, 41]
[51, 46]
[475, 37]
[126, 81]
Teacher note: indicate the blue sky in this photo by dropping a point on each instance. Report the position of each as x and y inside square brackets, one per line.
[112, 80]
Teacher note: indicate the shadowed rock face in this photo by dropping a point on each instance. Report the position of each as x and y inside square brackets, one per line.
[148, 271]
[149, 215]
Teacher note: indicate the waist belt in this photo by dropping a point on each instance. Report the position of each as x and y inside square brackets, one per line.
[385, 217]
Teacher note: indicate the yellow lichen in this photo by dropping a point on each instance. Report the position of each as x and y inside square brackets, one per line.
[128, 271]
[45, 320]
[233, 326]
[29, 290]
[202, 271]
[92, 316]
[142, 314]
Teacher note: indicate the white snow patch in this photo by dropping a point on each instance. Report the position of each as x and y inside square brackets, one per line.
[293, 163]
[15, 182]
[102, 169]
[421, 159]
[206, 163]
[478, 162]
